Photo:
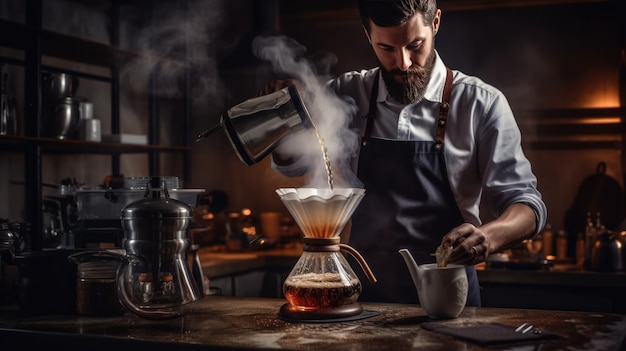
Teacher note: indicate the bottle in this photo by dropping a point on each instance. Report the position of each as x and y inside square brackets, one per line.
[580, 250]
[535, 247]
[548, 241]
[8, 109]
[561, 245]
[598, 220]
[590, 239]
[233, 232]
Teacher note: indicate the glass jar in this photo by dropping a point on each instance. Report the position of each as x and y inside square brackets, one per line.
[96, 290]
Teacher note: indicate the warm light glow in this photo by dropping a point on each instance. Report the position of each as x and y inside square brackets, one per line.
[575, 138]
[600, 120]
[602, 99]
[246, 212]
[590, 120]
[601, 91]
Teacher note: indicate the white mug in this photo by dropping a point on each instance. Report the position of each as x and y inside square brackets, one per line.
[90, 129]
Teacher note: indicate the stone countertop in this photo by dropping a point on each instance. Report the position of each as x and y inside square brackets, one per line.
[218, 322]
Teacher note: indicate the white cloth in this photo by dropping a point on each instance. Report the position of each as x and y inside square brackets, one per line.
[483, 152]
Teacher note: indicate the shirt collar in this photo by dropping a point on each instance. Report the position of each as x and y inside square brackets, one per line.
[434, 90]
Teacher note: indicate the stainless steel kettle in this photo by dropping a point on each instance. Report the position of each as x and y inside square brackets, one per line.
[255, 126]
[606, 254]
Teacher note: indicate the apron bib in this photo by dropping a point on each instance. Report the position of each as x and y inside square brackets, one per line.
[408, 204]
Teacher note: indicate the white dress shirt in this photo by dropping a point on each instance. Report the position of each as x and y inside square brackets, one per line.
[486, 166]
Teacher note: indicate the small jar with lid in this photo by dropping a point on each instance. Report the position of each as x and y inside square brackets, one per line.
[96, 290]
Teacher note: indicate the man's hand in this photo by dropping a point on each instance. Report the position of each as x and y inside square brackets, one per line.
[470, 243]
[473, 244]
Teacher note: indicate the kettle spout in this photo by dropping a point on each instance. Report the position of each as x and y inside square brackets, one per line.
[209, 131]
[414, 269]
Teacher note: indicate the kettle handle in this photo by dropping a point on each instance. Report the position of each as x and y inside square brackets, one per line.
[352, 251]
[122, 295]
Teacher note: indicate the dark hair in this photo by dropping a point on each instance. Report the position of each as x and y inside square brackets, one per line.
[388, 13]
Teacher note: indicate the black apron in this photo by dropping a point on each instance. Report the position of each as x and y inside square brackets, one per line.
[408, 204]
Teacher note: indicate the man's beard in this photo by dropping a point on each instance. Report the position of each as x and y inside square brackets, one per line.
[414, 81]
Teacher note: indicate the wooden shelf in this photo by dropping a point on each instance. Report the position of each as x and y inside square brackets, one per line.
[572, 128]
[71, 146]
[39, 47]
[64, 47]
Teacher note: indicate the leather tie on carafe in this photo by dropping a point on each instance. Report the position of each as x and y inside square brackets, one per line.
[333, 245]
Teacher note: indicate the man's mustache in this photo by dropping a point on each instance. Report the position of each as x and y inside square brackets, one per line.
[401, 73]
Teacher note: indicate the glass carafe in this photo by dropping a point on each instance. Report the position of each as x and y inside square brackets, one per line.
[322, 285]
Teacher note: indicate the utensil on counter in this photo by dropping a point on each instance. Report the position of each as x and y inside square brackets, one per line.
[526, 327]
[255, 126]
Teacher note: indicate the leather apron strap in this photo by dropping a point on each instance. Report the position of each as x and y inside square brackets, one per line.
[443, 111]
[371, 113]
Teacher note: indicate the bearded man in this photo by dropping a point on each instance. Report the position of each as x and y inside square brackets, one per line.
[440, 156]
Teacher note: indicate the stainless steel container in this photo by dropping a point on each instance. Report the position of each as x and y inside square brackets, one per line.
[60, 118]
[58, 85]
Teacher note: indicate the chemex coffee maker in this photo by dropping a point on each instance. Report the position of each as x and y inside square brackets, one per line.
[322, 286]
[153, 279]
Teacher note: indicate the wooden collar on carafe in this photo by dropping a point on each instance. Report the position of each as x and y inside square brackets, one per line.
[321, 244]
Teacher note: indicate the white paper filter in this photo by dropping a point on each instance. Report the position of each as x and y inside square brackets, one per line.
[321, 213]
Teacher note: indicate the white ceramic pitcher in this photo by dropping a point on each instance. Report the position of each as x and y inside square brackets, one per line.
[442, 291]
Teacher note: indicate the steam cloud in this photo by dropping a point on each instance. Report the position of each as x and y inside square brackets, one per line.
[330, 114]
[193, 34]
[180, 35]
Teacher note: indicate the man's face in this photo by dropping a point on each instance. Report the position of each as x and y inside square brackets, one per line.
[406, 56]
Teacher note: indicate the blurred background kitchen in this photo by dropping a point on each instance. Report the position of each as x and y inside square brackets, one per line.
[155, 74]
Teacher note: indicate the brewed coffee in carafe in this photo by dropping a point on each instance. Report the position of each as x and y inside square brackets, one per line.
[322, 285]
